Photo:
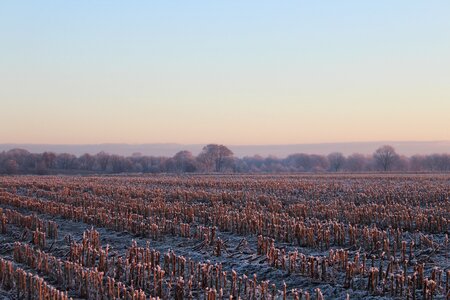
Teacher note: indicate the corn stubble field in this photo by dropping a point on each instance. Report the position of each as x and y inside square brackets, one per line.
[229, 236]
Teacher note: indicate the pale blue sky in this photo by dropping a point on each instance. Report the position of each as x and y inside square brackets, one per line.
[233, 72]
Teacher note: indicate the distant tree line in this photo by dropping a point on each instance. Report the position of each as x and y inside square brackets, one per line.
[218, 159]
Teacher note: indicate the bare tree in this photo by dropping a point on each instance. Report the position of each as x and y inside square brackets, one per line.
[385, 157]
[214, 157]
[184, 161]
[336, 161]
[300, 162]
[118, 164]
[49, 159]
[86, 162]
[102, 159]
[356, 162]
[66, 161]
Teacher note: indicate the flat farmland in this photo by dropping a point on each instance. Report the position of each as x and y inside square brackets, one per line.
[344, 236]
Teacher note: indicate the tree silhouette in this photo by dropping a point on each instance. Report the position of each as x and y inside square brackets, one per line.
[385, 157]
[336, 161]
[215, 156]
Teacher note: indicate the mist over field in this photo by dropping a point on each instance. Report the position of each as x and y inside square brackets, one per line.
[281, 151]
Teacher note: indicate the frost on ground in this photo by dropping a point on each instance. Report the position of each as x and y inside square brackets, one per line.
[205, 236]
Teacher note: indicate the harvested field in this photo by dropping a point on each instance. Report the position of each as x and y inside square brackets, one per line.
[225, 236]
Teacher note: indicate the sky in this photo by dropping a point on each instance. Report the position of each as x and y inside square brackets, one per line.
[229, 72]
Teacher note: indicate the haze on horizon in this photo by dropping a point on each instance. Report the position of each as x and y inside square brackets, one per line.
[240, 72]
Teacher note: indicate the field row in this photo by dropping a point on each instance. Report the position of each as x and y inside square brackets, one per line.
[214, 237]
